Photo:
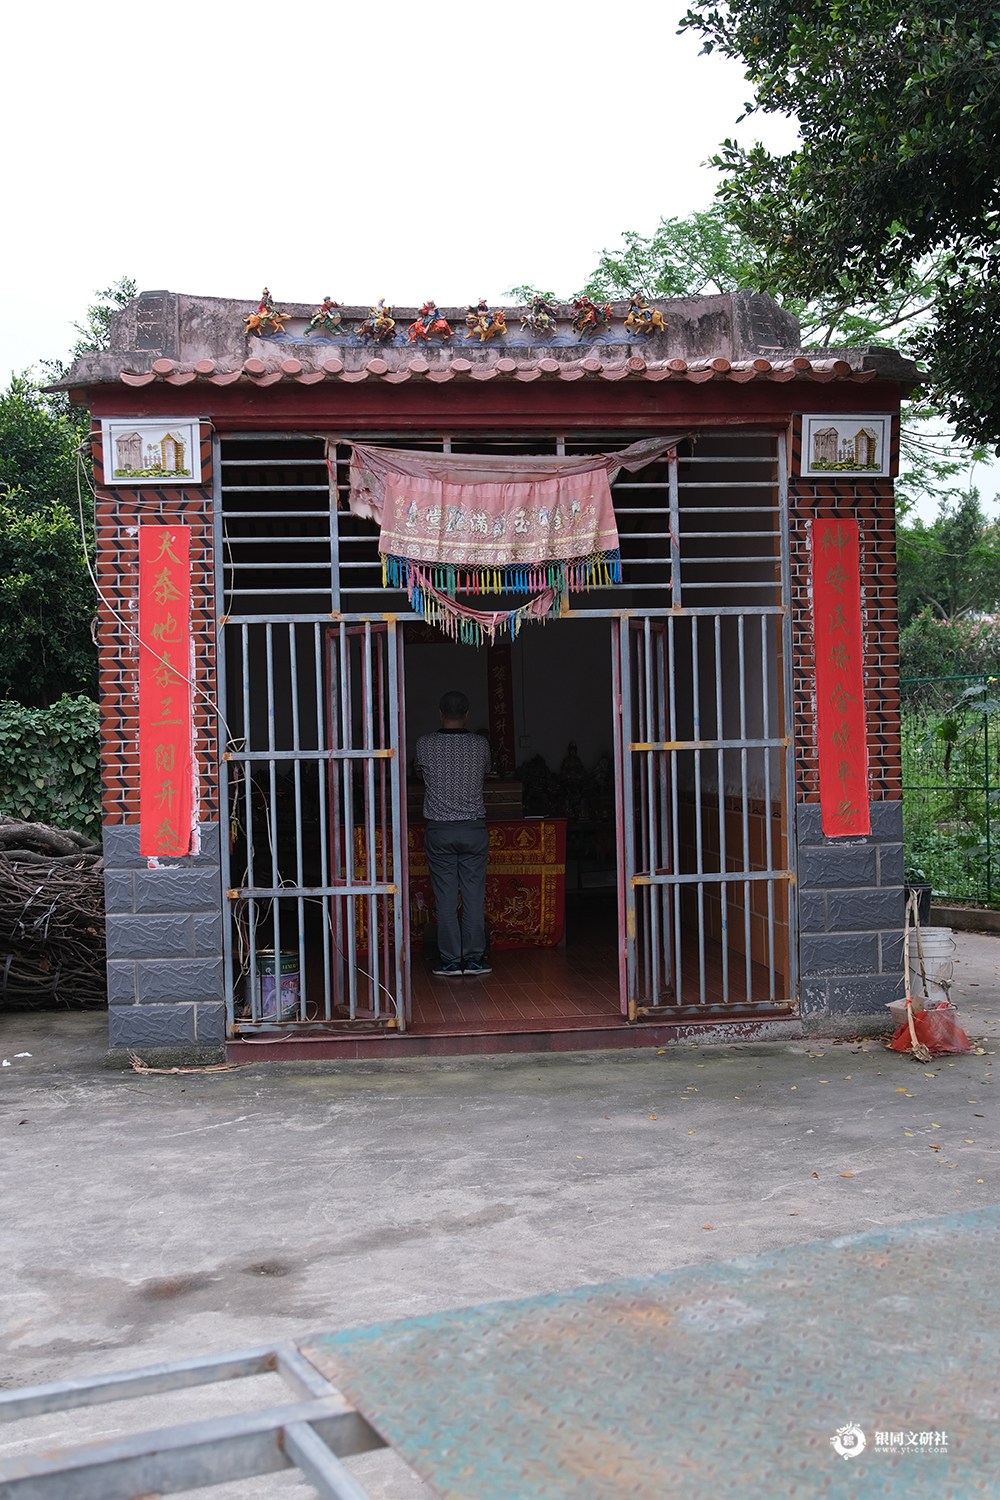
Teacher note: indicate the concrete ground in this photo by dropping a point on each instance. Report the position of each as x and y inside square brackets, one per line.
[138, 1224]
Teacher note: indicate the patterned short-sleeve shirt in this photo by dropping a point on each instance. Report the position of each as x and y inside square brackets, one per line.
[453, 763]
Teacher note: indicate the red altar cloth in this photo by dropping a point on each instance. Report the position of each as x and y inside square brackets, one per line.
[525, 883]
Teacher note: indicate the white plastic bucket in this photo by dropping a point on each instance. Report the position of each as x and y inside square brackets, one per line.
[939, 962]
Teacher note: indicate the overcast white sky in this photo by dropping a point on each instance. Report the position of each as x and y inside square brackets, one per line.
[370, 150]
[365, 150]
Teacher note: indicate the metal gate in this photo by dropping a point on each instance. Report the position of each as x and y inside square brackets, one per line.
[703, 752]
[311, 676]
[318, 825]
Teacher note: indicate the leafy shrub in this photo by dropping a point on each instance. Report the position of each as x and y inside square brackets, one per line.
[932, 647]
[50, 764]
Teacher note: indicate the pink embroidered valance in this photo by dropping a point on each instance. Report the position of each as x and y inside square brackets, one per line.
[479, 523]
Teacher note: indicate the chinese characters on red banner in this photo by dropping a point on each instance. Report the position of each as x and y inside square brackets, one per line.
[840, 696]
[166, 758]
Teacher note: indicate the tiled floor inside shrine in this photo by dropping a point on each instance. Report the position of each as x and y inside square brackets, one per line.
[563, 989]
[535, 999]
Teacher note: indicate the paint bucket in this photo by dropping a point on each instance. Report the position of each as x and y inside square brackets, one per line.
[939, 949]
[288, 1007]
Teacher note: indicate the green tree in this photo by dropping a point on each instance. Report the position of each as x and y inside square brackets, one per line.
[707, 253]
[38, 442]
[952, 565]
[95, 333]
[46, 607]
[46, 597]
[898, 109]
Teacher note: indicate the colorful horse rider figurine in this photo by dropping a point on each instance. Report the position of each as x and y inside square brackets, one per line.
[479, 320]
[642, 317]
[541, 318]
[589, 315]
[325, 319]
[429, 323]
[266, 319]
[379, 324]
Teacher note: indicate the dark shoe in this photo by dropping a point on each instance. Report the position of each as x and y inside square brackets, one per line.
[477, 966]
[453, 969]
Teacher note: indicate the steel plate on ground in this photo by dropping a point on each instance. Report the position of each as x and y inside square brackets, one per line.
[719, 1379]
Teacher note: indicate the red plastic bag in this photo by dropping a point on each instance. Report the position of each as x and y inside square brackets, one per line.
[938, 1029]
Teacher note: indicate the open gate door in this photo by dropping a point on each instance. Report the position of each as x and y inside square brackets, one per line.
[639, 687]
[368, 943]
[701, 761]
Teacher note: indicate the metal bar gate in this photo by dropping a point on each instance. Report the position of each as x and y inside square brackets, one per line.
[311, 676]
[703, 757]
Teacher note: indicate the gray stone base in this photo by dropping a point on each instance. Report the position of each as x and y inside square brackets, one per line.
[120, 1058]
[849, 1025]
[164, 936]
[850, 918]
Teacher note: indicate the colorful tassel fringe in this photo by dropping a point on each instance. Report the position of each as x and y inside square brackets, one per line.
[597, 571]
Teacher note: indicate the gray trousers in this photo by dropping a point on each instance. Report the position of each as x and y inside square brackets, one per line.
[456, 858]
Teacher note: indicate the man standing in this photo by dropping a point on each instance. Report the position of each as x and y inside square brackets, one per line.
[453, 763]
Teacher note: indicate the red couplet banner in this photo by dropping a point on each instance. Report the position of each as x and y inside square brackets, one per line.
[840, 692]
[166, 750]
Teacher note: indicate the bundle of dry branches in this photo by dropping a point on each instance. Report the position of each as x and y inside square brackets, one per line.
[51, 918]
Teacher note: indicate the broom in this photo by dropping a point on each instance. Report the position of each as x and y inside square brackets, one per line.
[920, 1051]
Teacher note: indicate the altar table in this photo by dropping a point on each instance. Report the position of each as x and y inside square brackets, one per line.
[525, 883]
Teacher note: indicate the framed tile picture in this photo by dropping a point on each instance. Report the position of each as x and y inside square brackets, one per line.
[846, 445]
[164, 452]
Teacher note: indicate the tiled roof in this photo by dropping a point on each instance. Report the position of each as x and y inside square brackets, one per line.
[402, 366]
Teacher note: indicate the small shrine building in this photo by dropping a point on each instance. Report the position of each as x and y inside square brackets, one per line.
[696, 819]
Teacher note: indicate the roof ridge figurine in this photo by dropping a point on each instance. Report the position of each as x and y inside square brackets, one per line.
[541, 318]
[380, 325]
[590, 316]
[326, 319]
[642, 317]
[429, 323]
[266, 319]
[480, 320]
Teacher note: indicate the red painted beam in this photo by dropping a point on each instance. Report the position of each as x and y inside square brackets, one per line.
[375, 404]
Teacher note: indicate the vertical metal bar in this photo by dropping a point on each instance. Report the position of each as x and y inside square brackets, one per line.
[347, 743]
[768, 841]
[700, 853]
[368, 743]
[663, 854]
[675, 530]
[252, 985]
[639, 731]
[649, 757]
[323, 794]
[745, 802]
[221, 728]
[675, 813]
[723, 885]
[618, 626]
[384, 794]
[272, 816]
[293, 672]
[398, 873]
[334, 668]
[788, 721]
[334, 526]
[986, 799]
